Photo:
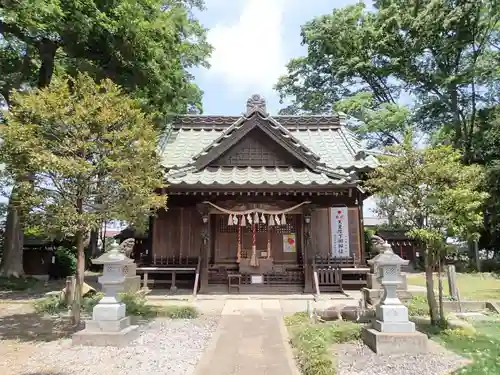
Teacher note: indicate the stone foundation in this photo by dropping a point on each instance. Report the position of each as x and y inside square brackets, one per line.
[394, 343]
[101, 338]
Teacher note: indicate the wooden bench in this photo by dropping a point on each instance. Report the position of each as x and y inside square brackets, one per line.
[172, 266]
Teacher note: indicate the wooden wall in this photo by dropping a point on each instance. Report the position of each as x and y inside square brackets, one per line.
[177, 232]
[321, 232]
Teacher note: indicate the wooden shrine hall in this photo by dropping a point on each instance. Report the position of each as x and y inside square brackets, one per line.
[259, 203]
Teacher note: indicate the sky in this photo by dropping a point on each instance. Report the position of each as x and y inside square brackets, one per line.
[253, 40]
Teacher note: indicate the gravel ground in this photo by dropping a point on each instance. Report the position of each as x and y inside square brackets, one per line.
[166, 347]
[357, 359]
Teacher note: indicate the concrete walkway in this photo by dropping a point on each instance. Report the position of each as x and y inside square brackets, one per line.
[251, 339]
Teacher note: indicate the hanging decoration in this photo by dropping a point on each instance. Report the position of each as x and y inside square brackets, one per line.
[271, 221]
[253, 217]
[258, 210]
[283, 219]
[253, 259]
[238, 257]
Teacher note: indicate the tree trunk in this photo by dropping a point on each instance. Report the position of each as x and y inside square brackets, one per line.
[431, 296]
[442, 319]
[94, 238]
[12, 259]
[80, 269]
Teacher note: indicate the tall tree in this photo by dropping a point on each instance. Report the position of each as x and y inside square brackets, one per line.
[437, 198]
[444, 53]
[92, 154]
[147, 46]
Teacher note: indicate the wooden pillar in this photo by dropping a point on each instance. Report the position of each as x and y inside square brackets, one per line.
[307, 252]
[149, 245]
[361, 229]
[205, 246]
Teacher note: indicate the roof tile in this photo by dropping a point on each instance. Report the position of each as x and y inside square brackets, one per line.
[252, 176]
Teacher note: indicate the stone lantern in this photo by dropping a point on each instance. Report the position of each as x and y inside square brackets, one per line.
[392, 332]
[109, 324]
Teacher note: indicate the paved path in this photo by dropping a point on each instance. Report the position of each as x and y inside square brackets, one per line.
[248, 342]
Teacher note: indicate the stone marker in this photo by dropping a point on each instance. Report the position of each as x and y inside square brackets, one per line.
[109, 325]
[452, 281]
[392, 332]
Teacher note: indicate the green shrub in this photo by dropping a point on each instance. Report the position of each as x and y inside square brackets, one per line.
[135, 305]
[88, 303]
[18, 283]
[312, 342]
[418, 306]
[65, 262]
[50, 305]
[178, 312]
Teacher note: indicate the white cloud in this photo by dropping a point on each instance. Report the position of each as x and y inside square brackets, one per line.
[248, 54]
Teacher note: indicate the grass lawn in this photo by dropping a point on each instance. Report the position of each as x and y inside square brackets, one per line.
[483, 347]
[474, 286]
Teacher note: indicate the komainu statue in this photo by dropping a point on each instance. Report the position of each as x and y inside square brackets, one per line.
[127, 246]
[377, 242]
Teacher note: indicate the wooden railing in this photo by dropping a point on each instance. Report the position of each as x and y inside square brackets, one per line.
[327, 276]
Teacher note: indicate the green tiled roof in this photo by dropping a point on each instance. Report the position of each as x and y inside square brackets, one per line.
[329, 151]
[252, 176]
[335, 145]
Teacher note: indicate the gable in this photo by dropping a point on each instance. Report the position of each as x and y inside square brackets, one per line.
[256, 148]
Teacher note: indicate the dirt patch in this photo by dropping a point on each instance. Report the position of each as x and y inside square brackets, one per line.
[22, 331]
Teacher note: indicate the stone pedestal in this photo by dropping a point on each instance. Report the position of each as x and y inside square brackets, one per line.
[109, 325]
[392, 332]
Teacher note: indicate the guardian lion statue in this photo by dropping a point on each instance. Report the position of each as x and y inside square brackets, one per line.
[127, 246]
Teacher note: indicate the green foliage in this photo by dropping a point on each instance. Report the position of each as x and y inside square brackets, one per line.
[90, 150]
[136, 305]
[483, 347]
[418, 306]
[312, 342]
[18, 283]
[178, 312]
[49, 305]
[88, 303]
[445, 53]
[438, 197]
[369, 233]
[65, 262]
[147, 46]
